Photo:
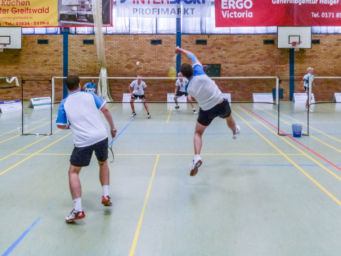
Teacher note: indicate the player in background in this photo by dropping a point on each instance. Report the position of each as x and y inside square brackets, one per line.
[180, 90]
[136, 89]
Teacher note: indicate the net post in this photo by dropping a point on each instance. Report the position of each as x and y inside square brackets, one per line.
[22, 106]
[52, 90]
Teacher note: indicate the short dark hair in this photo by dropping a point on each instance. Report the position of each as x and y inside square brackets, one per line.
[72, 82]
[187, 70]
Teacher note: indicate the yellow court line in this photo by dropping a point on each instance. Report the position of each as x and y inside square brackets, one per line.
[172, 154]
[312, 136]
[34, 154]
[313, 128]
[25, 147]
[169, 115]
[19, 128]
[137, 232]
[293, 146]
[291, 161]
[13, 137]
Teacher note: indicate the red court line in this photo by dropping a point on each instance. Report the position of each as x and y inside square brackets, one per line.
[292, 138]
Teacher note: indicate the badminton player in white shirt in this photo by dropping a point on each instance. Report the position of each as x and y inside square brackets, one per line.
[180, 90]
[210, 100]
[80, 112]
[136, 89]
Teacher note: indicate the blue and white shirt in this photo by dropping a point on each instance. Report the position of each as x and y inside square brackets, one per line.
[203, 88]
[138, 88]
[306, 79]
[81, 111]
[181, 84]
[90, 87]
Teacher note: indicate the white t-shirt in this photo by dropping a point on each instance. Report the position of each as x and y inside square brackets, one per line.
[181, 84]
[138, 88]
[203, 89]
[81, 111]
[306, 78]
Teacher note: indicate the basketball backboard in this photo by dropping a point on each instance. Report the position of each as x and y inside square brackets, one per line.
[294, 37]
[10, 37]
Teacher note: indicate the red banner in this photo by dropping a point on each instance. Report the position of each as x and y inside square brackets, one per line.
[252, 13]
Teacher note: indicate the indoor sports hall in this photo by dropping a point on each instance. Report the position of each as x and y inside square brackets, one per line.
[266, 181]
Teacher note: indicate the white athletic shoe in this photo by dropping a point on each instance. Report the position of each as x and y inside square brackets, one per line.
[237, 132]
[194, 111]
[195, 166]
[133, 114]
[149, 116]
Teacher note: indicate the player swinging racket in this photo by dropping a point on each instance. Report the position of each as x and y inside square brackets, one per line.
[210, 100]
[180, 90]
[136, 89]
[79, 112]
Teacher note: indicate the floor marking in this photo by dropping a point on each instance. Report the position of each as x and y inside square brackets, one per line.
[291, 161]
[315, 129]
[293, 146]
[34, 154]
[137, 232]
[15, 136]
[312, 136]
[19, 128]
[21, 237]
[25, 147]
[169, 115]
[290, 137]
[172, 154]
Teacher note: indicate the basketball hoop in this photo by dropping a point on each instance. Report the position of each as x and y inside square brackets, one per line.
[295, 45]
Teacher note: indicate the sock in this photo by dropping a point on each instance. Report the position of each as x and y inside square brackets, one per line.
[77, 204]
[105, 190]
[196, 158]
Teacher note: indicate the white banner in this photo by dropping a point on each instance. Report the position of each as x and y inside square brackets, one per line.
[263, 97]
[10, 106]
[41, 102]
[163, 8]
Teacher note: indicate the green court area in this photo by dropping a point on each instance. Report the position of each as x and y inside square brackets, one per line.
[261, 194]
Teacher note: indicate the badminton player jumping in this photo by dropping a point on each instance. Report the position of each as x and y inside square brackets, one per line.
[210, 100]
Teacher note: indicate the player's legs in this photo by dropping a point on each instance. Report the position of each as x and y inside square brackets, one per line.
[233, 126]
[199, 131]
[76, 194]
[146, 107]
[190, 101]
[197, 161]
[74, 182]
[101, 152]
[132, 100]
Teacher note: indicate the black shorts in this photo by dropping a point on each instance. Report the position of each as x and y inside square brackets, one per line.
[82, 156]
[222, 110]
[137, 96]
[178, 93]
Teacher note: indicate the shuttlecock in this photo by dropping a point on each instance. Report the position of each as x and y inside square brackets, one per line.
[137, 63]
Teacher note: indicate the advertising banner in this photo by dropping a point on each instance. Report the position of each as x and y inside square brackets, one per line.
[249, 13]
[32, 13]
[51, 13]
[163, 8]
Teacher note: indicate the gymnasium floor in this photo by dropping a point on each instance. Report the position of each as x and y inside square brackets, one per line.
[261, 194]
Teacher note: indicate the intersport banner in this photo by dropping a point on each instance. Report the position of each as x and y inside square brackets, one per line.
[163, 8]
[249, 13]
